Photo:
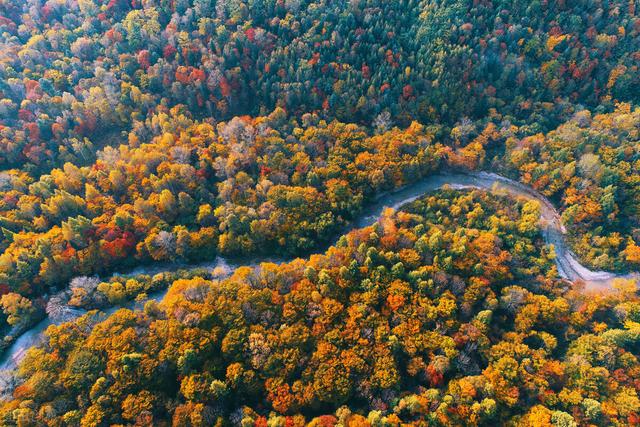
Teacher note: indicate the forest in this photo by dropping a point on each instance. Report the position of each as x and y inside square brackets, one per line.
[144, 141]
[448, 312]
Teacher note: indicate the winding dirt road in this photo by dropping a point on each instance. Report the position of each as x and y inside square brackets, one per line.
[553, 231]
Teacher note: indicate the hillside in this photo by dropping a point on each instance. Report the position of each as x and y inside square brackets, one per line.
[152, 146]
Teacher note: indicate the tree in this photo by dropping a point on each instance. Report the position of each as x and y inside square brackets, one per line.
[17, 308]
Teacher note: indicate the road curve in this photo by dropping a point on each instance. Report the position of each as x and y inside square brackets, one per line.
[553, 231]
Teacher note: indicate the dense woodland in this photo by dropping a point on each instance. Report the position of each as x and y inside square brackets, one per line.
[446, 313]
[140, 132]
[76, 72]
[197, 190]
[591, 166]
[420, 311]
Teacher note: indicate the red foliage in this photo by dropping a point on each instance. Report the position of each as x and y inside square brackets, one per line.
[120, 247]
[264, 171]
[407, 92]
[26, 115]
[35, 153]
[251, 34]
[315, 58]
[143, 59]
[366, 72]
[261, 422]
[113, 36]
[182, 74]
[225, 89]
[34, 92]
[110, 234]
[197, 74]
[326, 421]
[169, 51]
[435, 377]
[68, 253]
[46, 11]
[620, 375]
[202, 173]
[33, 130]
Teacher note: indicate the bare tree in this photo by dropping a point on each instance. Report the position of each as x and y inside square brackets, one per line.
[83, 291]
[8, 382]
[59, 311]
[382, 122]
[165, 241]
